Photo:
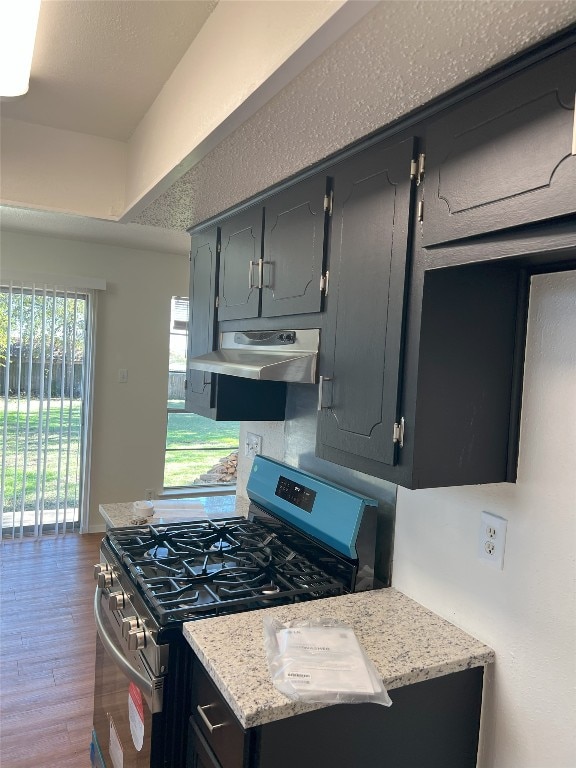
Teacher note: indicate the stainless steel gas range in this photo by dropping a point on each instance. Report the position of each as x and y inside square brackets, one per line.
[304, 539]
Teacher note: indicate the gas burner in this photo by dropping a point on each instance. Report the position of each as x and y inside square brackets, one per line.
[220, 546]
[270, 589]
[157, 552]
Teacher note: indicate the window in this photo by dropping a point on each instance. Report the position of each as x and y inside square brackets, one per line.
[45, 340]
[199, 451]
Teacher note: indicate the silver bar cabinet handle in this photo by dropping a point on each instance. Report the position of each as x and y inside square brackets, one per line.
[251, 265]
[321, 380]
[269, 281]
[211, 726]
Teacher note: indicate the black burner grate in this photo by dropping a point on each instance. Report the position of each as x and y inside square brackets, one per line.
[205, 568]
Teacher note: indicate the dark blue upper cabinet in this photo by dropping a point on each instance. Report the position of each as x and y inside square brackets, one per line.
[203, 284]
[362, 342]
[218, 397]
[240, 263]
[293, 261]
[503, 158]
[272, 258]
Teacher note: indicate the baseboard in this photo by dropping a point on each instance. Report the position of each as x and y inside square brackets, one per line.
[101, 528]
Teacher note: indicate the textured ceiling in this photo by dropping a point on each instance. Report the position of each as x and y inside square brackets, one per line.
[98, 65]
[400, 56]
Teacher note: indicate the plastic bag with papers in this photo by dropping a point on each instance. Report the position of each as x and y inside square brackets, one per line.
[321, 660]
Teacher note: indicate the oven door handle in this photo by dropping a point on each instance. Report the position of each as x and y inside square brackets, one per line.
[152, 692]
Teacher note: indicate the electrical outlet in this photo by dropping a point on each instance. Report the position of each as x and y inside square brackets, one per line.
[252, 444]
[492, 539]
[148, 494]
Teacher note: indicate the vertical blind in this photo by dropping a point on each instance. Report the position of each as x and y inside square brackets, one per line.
[44, 356]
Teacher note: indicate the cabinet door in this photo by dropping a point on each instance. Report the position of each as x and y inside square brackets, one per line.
[294, 249]
[199, 753]
[362, 344]
[504, 158]
[215, 721]
[240, 265]
[431, 724]
[201, 326]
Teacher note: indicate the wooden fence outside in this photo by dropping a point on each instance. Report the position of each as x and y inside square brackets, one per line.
[18, 378]
[176, 390]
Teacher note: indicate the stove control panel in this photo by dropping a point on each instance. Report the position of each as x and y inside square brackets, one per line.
[328, 512]
[295, 493]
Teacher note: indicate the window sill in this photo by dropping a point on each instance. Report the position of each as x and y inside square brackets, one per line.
[198, 490]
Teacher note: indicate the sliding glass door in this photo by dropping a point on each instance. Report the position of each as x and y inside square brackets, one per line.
[44, 356]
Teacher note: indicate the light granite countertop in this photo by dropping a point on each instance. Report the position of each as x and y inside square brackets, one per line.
[120, 514]
[407, 643]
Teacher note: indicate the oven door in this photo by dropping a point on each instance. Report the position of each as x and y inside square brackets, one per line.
[128, 722]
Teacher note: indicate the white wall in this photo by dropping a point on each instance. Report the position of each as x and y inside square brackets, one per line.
[132, 332]
[47, 168]
[527, 611]
[245, 53]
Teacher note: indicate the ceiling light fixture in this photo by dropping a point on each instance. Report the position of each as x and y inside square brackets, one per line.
[18, 22]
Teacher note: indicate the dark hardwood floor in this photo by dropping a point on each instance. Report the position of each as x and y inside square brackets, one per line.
[47, 643]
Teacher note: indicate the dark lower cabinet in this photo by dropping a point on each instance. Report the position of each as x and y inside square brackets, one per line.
[434, 724]
[503, 158]
[216, 737]
[199, 754]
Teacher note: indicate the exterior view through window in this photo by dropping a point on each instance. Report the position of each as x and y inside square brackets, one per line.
[43, 384]
[199, 451]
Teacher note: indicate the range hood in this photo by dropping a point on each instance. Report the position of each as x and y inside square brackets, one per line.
[266, 355]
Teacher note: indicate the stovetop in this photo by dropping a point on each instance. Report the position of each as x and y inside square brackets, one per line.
[304, 538]
[203, 568]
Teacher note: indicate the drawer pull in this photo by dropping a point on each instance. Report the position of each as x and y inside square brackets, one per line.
[211, 726]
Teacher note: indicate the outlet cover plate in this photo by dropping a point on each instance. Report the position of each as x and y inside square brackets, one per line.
[492, 539]
[252, 444]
